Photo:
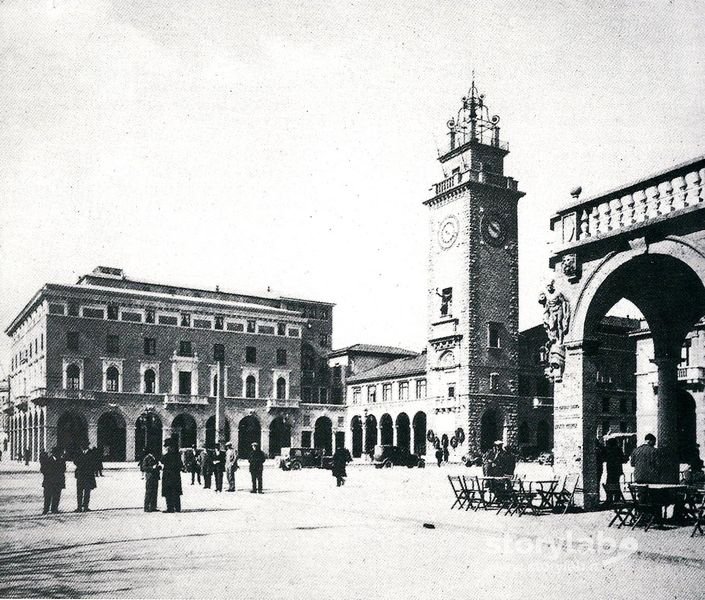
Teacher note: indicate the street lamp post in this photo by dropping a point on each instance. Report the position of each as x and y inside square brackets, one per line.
[219, 356]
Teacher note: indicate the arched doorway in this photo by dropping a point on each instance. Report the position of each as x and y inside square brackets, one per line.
[489, 430]
[403, 431]
[323, 435]
[386, 426]
[687, 428]
[544, 443]
[184, 429]
[279, 436]
[148, 435]
[420, 433]
[210, 432]
[356, 428]
[370, 434]
[249, 431]
[112, 437]
[71, 434]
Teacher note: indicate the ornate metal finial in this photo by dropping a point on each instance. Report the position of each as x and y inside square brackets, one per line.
[473, 123]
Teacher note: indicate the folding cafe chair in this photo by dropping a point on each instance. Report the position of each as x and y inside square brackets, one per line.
[460, 493]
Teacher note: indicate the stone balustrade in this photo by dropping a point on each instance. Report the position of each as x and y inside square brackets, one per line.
[661, 196]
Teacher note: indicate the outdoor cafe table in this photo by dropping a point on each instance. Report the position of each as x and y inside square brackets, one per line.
[544, 488]
[492, 484]
[664, 494]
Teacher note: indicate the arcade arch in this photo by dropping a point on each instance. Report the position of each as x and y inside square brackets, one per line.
[112, 436]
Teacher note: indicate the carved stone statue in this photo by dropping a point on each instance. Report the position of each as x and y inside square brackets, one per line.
[556, 322]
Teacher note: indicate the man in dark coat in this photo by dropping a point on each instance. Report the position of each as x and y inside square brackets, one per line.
[341, 457]
[257, 459]
[53, 468]
[218, 467]
[150, 466]
[193, 466]
[171, 478]
[206, 462]
[85, 478]
[614, 459]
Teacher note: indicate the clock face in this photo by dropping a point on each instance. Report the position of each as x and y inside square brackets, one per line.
[494, 229]
[448, 232]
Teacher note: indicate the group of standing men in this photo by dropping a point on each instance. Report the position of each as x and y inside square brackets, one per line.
[52, 466]
[212, 462]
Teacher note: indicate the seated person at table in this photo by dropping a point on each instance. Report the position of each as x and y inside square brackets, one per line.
[694, 474]
[645, 461]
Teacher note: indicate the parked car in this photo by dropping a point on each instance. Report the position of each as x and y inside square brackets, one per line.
[545, 458]
[388, 456]
[293, 459]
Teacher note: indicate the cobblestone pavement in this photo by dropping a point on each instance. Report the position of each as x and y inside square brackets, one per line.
[305, 538]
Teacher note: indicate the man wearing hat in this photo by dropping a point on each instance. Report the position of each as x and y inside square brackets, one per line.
[490, 466]
[256, 459]
[218, 467]
[171, 477]
[230, 465]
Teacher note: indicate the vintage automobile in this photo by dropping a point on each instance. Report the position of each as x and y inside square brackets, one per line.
[388, 456]
[293, 459]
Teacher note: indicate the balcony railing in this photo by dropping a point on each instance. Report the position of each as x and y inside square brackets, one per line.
[654, 199]
[185, 399]
[282, 403]
[691, 374]
[485, 177]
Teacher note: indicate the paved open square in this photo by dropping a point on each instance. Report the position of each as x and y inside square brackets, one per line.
[305, 538]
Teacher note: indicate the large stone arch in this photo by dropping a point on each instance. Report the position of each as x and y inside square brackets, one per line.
[211, 433]
[357, 436]
[323, 435]
[148, 434]
[420, 432]
[249, 432]
[279, 435]
[71, 433]
[185, 430]
[665, 280]
[112, 436]
[403, 427]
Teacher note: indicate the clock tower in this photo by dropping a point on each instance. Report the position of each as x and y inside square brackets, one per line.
[473, 311]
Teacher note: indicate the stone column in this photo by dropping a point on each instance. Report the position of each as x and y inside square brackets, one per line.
[667, 418]
[130, 433]
[93, 434]
[575, 422]
[364, 436]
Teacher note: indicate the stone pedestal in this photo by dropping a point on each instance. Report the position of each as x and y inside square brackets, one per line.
[575, 421]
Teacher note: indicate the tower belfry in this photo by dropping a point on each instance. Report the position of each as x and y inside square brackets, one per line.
[473, 308]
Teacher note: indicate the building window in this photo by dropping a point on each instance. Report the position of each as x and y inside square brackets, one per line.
[185, 348]
[605, 405]
[305, 439]
[185, 320]
[420, 388]
[219, 321]
[251, 326]
[150, 382]
[113, 344]
[112, 380]
[185, 383]
[323, 395]
[73, 309]
[150, 346]
[250, 354]
[72, 340]
[281, 328]
[371, 393]
[306, 395]
[451, 391]
[386, 392]
[113, 312]
[357, 393]
[493, 340]
[281, 356]
[494, 381]
[250, 387]
[149, 316]
[403, 390]
[218, 352]
[281, 388]
[73, 377]
[446, 302]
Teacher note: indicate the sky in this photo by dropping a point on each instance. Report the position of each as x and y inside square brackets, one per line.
[290, 145]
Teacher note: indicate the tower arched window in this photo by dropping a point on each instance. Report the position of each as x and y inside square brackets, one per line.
[73, 377]
[112, 380]
[250, 387]
[281, 388]
[150, 382]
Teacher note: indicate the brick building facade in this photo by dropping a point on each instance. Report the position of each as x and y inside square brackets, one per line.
[121, 364]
